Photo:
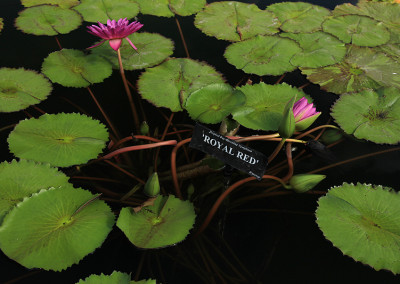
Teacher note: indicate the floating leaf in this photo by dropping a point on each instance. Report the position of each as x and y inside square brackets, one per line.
[22, 179]
[20, 88]
[47, 20]
[363, 221]
[186, 7]
[101, 11]
[116, 278]
[59, 139]
[62, 3]
[361, 68]
[319, 49]
[169, 8]
[169, 84]
[299, 17]
[152, 50]
[263, 55]
[392, 50]
[48, 231]
[165, 223]
[370, 115]
[212, 103]
[235, 21]
[72, 68]
[264, 105]
[358, 30]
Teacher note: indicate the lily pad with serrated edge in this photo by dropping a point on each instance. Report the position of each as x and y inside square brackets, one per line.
[235, 21]
[48, 231]
[115, 277]
[22, 179]
[165, 223]
[20, 88]
[47, 20]
[318, 49]
[212, 103]
[163, 8]
[358, 30]
[370, 115]
[62, 3]
[72, 68]
[263, 55]
[299, 17]
[264, 105]
[101, 11]
[169, 84]
[63, 139]
[152, 50]
[363, 221]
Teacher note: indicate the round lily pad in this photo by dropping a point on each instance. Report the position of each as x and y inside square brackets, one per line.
[115, 277]
[48, 231]
[299, 17]
[235, 21]
[152, 50]
[358, 30]
[60, 139]
[72, 68]
[370, 115]
[169, 8]
[22, 179]
[169, 84]
[263, 55]
[165, 223]
[62, 3]
[318, 49]
[212, 103]
[47, 20]
[20, 88]
[186, 7]
[363, 221]
[101, 11]
[264, 105]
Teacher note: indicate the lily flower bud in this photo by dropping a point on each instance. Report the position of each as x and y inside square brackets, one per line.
[152, 186]
[304, 182]
[304, 114]
[287, 125]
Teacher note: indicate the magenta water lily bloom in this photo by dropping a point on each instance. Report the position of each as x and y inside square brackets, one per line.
[115, 32]
[304, 114]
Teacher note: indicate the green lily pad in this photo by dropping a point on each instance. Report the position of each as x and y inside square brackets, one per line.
[319, 49]
[60, 139]
[169, 84]
[362, 68]
[101, 11]
[62, 3]
[299, 17]
[186, 7]
[263, 55]
[47, 20]
[363, 221]
[358, 30]
[168, 8]
[20, 88]
[212, 103]
[116, 278]
[370, 115]
[152, 50]
[22, 179]
[235, 21]
[264, 105]
[48, 231]
[72, 68]
[165, 223]
[392, 50]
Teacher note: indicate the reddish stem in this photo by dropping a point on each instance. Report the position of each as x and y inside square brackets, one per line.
[124, 171]
[162, 138]
[173, 166]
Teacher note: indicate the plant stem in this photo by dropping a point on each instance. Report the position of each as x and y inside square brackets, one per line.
[173, 167]
[290, 162]
[162, 138]
[124, 171]
[315, 129]
[276, 151]
[182, 37]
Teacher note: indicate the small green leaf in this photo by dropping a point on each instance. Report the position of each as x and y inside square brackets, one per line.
[165, 223]
[186, 7]
[47, 20]
[152, 49]
[20, 88]
[363, 221]
[235, 21]
[263, 55]
[155, 7]
[169, 84]
[115, 277]
[72, 68]
[62, 3]
[212, 103]
[60, 139]
[101, 11]
[370, 115]
[43, 232]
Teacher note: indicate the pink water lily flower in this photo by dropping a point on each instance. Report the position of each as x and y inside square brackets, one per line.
[304, 114]
[115, 32]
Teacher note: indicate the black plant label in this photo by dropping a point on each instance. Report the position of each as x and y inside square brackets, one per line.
[229, 151]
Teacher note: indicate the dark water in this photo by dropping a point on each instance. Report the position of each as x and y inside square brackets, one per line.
[283, 246]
